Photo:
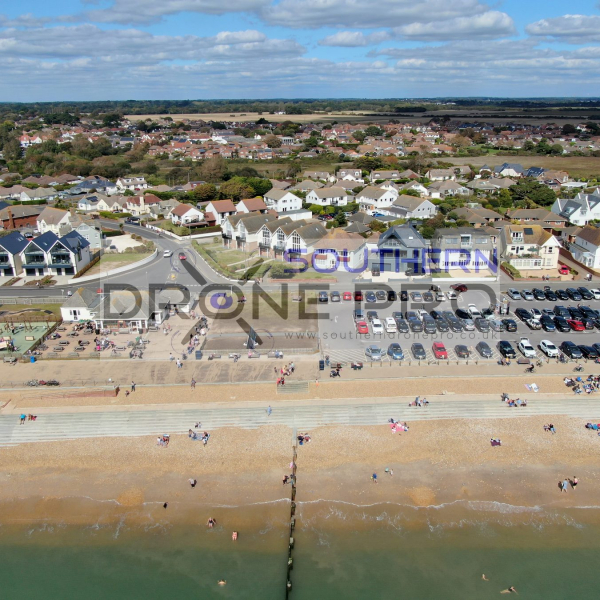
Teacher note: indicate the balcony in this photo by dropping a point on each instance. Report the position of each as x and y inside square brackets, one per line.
[279, 246]
[60, 260]
[37, 259]
[264, 245]
[4, 259]
[226, 236]
[241, 237]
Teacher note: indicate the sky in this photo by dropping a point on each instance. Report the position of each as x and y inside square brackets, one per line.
[237, 49]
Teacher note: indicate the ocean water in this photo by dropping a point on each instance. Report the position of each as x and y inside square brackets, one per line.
[341, 551]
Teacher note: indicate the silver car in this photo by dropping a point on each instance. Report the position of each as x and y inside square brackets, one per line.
[373, 352]
[468, 324]
[497, 325]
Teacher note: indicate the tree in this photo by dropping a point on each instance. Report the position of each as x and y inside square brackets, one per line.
[235, 189]
[12, 149]
[528, 146]
[111, 120]
[556, 149]
[340, 220]
[569, 129]
[260, 185]
[205, 192]
[272, 141]
[373, 131]
[316, 209]
[213, 169]
[529, 189]
[128, 193]
[359, 136]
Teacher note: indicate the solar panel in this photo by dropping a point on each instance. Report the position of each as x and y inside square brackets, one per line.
[528, 231]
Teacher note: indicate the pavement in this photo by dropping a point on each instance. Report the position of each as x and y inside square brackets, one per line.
[304, 416]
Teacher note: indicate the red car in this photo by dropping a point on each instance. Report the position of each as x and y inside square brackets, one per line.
[347, 296]
[362, 327]
[358, 296]
[576, 325]
[439, 350]
[564, 270]
[182, 256]
[459, 288]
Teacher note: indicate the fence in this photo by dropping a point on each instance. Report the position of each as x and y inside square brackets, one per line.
[32, 300]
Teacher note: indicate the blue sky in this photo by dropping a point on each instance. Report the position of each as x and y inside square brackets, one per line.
[180, 49]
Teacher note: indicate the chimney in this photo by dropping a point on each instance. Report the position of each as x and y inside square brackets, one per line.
[11, 221]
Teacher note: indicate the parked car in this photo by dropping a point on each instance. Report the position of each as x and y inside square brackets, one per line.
[459, 288]
[439, 350]
[527, 350]
[505, 348]
[484, 349]
[440, 296]
[562, 311]
[381, 295]
[575, 313]
[395, 351]
[358, 296]
[473, 311]
[462, 351]
[461, 313]
[585, 293]
[596, 293]
[429, 325]
[536, 312]
[468, 324]
[442, 325]
[573, 294]
[547, 323]
[538, 294]
[391, 296]
[415, 325]
[564, 270]
[390, 325]
[428, 297]
[561, 324]
[403, 296]
[418, 351]
[514, 294]
[362, 328]
[370, 297]
[550, 295]
[523, 314]
[482, 324]
[588, 313]
[359, 315]
[589, 352]
[416, 296]
[576, 325]
[373, 352]
[376, 326]
[571, 349]
[534, 324]
[372, 314]
[548, 348]
[347, 296]
[323, 297]
[510, 324]
[562, 295]
[497, 325]
[527, 295]
[335, 297]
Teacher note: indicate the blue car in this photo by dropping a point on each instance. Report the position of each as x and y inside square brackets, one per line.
[395, 351]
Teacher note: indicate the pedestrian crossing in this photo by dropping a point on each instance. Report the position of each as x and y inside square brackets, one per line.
[67, 426]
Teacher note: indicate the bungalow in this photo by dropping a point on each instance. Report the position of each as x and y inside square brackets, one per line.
[373, 198]
[586, 247]
[184, 214]
[251, 205]
[89, 203]
[376, 175]
[282, 200]
[508, 170]
[416, 208]
[447, 188]
[408, 174]
[529, 247]
[333, 196]
[216, 210]
[55, 220]
[306, 186]
[324, 175]
[38, 194]
[477, 216]
[132, 183]
[94, 184]
[11, 246]
[441, 175]
[537, 216]
[111, 204]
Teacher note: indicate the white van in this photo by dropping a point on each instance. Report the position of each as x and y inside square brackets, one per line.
[167, 253]
[390, 325]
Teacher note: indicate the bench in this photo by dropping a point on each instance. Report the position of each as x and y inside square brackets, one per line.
[58, 348]
[94, 354]
[356, 366]
[30, 338]
[52, 355]
[275, 354]
[10, 359]
[296, 298]
[253, 354]
[523, 361]
[72, 355]
[213, 356]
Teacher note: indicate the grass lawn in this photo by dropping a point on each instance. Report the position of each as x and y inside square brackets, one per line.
[38, 308]
[114, 261]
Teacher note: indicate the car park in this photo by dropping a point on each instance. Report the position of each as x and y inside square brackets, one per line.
[589, 352]
[416, 296]
[523, 314]
[585, 293]
[538, 294]
[376, 326]
[596, 293]
[473, 311]
[373, 352]
[482, 324]
[395, 351]
[428, 297]
[514, 294]
[534, 324]
[575, 325]
[561, 324]
[335, 297]
[527, 350]
[573, 294]
[390, 325]
[358, 296]
[323, 297]
[527, 295]
[571, 349]
[418, 351]
[562, 295]
[439, 350]
[429, 325]
[548, 348]
[547, 324]
[484, 349]
[372, 314]
[347, 296]
[362, 327]
[370, 297]
[510, 324]
[381, 295]
[391, 296]
[505, 348]
[462, 351]
[550, 295]
[497, 325]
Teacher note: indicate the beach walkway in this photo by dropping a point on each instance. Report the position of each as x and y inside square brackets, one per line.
[112, 421]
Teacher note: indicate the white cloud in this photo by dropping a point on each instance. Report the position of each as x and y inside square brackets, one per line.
[354, 39]
[573, 29]
[364, 14]
[137, 12]
[489, 25]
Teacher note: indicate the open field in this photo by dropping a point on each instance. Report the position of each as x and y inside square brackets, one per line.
[114, 261]
[31, 310]
[576, 166]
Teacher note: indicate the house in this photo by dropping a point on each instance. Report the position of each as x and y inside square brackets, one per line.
[38, 194]
[245, 229]
[411, 186]
[354, 175]
[11, 246]
[339, 250]
[467, 249]
[280, 185]
[508, 170]
[111, 203]
[55, 220]
[282, 200]
[89, 203]
[415, 208]
[140, 205]
[50, 255]
[184, 214]
[19, 216]
[89, 231]
[441, 175]
[447, 188]
[408, 174]
[132, 183]
[93, 184]
[251, 205]
[117, 310]
[306, 186]
[477, 216]
[538, 216]
[331, 196]
[579, 210]
[377, 175]
[374, 198]
[529, 247]
[216, 210]
[586, 247]
[484, 186]
[324, 175]
[400, 249]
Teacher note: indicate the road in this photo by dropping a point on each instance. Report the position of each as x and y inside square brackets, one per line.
[120, 423]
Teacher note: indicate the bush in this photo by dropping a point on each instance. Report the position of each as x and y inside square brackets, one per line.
[512, 271]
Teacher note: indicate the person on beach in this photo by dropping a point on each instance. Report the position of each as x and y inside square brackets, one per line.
[574, 482]
[165, 505]
[193, 482]
[510, 590]
[285, 479]
[234, 536]
[23, 417]
[133, 386]
[211, 522]
[374, 478]
[193, 384]
[563, 486]
[269, 410]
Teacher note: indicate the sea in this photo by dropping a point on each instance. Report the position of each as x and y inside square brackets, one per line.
[341, 551]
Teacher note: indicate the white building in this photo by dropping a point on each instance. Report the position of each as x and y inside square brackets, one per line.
[132, 183]
[580, 210]
[586, 248]
[331, 196]
[372, 198]
[282, 200]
